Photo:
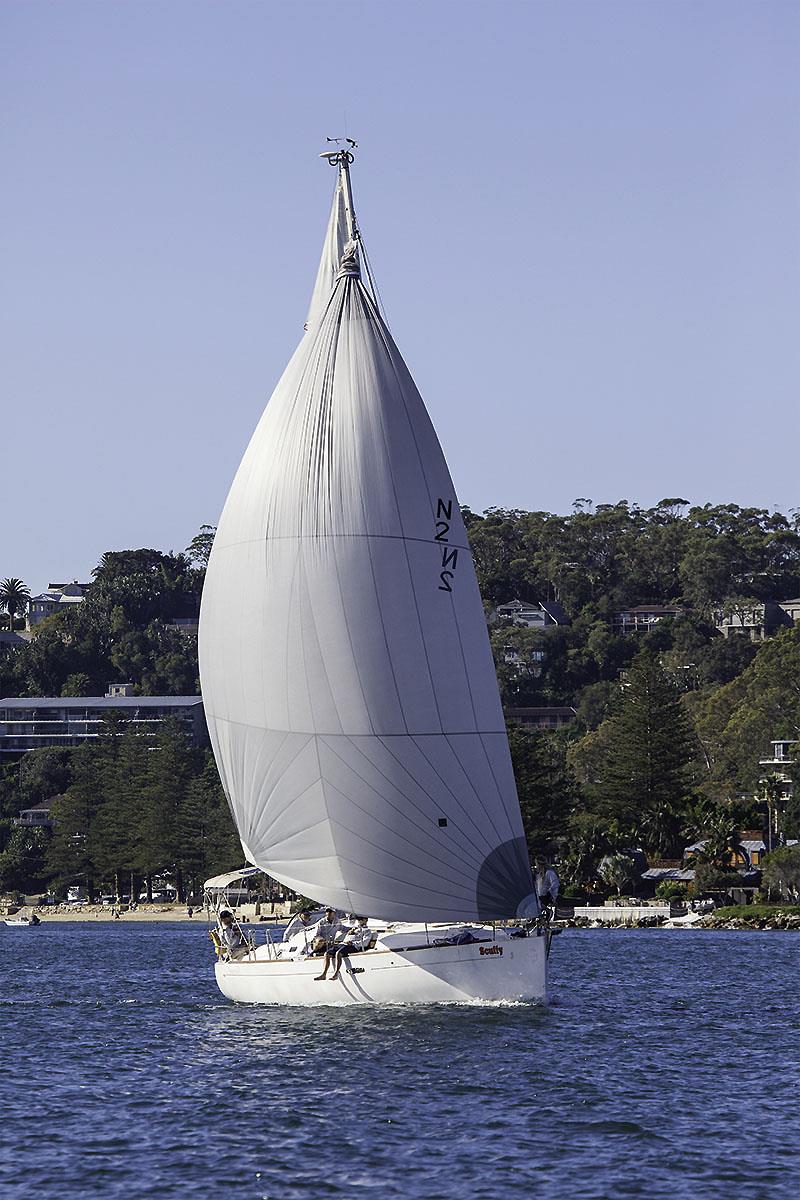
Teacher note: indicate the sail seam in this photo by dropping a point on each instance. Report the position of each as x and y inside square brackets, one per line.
[423, 642]
[404, 815]
[333, 733]
[397, 857]
[435, 769]
[509, 818]
[299, 537]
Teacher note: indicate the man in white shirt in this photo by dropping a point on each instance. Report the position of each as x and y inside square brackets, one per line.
[230, 935]
[547, 885]
[326, 930]
[355, 941]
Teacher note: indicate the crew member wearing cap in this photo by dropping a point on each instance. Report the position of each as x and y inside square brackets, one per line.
[326, 930]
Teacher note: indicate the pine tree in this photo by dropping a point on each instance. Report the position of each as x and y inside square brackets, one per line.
[645, 776]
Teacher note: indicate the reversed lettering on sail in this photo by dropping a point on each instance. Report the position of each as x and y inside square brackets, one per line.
[449, 555]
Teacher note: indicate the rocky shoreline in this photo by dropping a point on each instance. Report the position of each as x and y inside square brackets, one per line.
[779, 920]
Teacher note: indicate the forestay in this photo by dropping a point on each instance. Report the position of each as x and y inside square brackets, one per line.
[348, 681]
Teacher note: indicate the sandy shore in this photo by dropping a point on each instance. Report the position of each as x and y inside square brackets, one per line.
[146, 913]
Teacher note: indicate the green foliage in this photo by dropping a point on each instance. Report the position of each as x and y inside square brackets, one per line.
[644, 758]
[14, 598]
[141, 806]
[781, 872]
[545, 785]
[756, 912]
[618, 871]
[737, 721]
[199, 549]
[670, 889]
[712, 879]
[22, 862]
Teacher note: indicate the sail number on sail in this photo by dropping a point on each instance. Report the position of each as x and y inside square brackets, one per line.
[444, 515]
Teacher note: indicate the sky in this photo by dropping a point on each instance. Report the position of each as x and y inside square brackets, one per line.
[582, 217]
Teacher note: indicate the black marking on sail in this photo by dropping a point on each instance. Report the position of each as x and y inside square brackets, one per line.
[504, 880]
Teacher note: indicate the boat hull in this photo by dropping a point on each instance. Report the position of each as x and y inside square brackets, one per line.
[508, 970]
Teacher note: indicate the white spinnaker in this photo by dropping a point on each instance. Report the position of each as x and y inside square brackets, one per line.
[332, 251]
[348, 681]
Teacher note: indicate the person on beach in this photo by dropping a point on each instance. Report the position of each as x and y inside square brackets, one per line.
[301, 920]
[233, 940]
[325, 932]
[547, 886]
[355, 941]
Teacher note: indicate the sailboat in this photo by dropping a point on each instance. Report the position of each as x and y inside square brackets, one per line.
[348, 681]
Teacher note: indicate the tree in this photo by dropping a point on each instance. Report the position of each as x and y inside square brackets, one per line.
[648, 750]
[199, 549]
[544, 784]
[618, 871]
[781, 872]
[736, 722]
[22, 863]
[14, 598]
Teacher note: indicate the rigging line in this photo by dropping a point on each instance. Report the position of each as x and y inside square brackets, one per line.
[373, 283]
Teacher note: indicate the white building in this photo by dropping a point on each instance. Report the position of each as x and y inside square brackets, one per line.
[57, 598]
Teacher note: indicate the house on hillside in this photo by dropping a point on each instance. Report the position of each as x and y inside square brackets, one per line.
[792, 610]
[541, 615]
[643, 617]
[747, 855]
[546, 717]
[755, 620]
[58, 597]
[37, 817]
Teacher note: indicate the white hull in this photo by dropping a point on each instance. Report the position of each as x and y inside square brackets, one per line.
[499, 969]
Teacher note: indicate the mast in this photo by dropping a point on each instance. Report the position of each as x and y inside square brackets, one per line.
[342, 159]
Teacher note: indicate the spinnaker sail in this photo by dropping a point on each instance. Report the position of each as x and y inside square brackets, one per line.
[348, 681]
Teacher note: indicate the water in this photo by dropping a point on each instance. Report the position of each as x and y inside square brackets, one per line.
[666, 1066]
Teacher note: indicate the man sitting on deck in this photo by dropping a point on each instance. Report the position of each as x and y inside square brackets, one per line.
[355, 941]
[325, 931]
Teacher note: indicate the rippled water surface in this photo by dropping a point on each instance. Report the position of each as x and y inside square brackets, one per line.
[666, 1066]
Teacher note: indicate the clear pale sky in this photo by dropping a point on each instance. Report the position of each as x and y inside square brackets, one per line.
[583, 218]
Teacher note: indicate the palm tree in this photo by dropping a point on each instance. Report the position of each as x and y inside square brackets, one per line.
[14, 598]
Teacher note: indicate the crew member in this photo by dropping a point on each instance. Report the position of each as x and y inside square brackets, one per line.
[233, 940]
[355, 941]
[325, 931]
[547, 885]
[301, 921]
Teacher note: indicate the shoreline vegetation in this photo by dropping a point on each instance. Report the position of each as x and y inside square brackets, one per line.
[648, 663]
[738, 917]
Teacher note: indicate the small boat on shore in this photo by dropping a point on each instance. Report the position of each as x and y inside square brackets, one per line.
[29, 922]
[348, 681]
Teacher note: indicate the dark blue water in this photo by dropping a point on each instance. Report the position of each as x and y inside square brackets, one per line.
[666, 1066]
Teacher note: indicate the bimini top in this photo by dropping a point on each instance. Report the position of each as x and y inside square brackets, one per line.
[348, 681]
[223, 881]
